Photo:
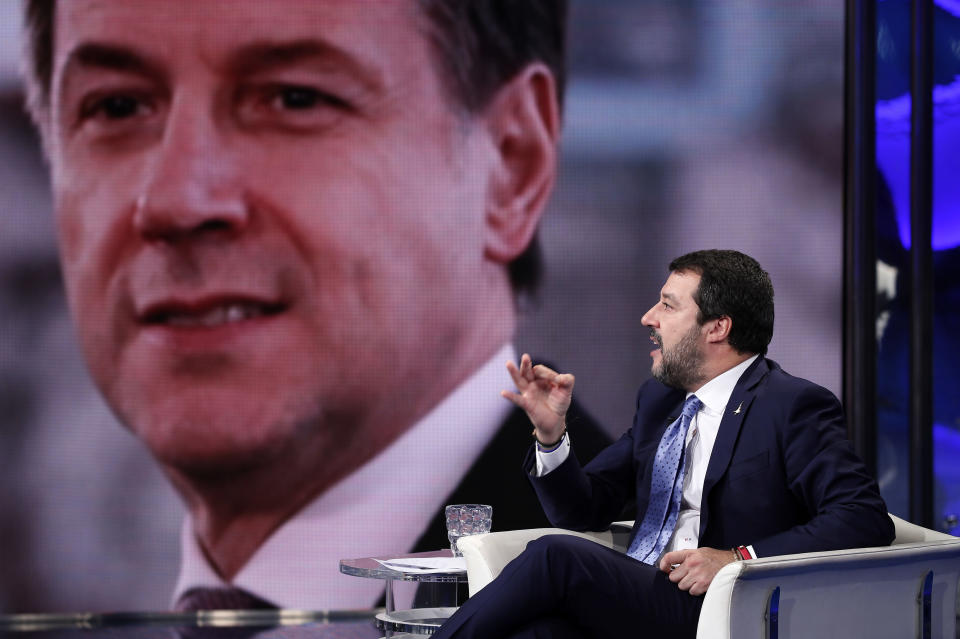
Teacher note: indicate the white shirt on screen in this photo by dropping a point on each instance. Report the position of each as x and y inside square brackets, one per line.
[379, 510]
[699, 445]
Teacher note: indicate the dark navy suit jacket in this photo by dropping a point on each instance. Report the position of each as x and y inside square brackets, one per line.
[782, 475]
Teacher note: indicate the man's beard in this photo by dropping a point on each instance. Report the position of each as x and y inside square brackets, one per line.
[682, 365]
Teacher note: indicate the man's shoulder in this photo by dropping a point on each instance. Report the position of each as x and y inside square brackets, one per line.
[776, 396]
[773, 380]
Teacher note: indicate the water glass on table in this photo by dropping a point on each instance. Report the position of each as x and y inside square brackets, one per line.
[467, 519]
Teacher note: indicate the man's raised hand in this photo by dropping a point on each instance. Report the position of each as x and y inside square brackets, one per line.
[543, 394]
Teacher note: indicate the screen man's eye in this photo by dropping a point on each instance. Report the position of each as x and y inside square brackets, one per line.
[117, 107]
[289, 106]
[298, 98]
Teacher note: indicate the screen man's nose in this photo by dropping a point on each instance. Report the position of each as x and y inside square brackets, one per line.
[192, 182]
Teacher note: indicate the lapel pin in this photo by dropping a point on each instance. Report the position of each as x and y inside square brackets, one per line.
[737, 412]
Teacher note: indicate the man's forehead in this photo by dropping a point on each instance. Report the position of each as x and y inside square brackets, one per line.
[211, 27]
[229, 10]
[680, 286]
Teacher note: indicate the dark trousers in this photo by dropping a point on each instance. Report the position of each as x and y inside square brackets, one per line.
[563, 587]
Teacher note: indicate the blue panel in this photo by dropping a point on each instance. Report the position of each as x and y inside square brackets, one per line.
[893, 243]
[925, 602]
[773, 614]
[893, 115]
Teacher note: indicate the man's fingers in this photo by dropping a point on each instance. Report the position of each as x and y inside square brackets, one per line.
[697, 589]
[542, 370]
[687, 583]
[685, 576]
[516, 375]
[516, 398]
[545, 373]
[526, 364]
[672, 558]
[543, 376]
[695, 584]
[695, 568]
[676, 575]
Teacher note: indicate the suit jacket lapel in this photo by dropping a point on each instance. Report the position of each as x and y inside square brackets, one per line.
[730, 424]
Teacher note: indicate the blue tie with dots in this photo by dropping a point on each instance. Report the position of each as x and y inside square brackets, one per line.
[666, 488]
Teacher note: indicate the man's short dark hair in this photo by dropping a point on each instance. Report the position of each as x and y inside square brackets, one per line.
[734, 285]
[479, 45]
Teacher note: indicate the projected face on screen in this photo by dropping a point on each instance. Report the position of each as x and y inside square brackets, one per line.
[275, 224]
[321, 195]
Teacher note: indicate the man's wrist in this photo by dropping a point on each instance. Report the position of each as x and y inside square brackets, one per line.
[545, 447]
[743, 553]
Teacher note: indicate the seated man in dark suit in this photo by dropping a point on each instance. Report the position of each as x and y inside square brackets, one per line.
[729, 458]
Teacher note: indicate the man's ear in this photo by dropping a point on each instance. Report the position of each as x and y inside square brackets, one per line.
[523, 120]
[719, 330]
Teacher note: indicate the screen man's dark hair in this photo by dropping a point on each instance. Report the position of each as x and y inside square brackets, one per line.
[479, 45]
[734, 285]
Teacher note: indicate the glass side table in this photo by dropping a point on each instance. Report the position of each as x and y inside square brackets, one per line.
[416, 621]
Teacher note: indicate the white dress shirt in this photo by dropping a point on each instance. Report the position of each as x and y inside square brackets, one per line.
[700, 439]
[381, 509]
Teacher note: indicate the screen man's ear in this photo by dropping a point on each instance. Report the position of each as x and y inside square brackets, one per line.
[523, 120]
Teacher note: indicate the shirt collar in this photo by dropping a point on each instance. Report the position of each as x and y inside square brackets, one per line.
[716, 393]
[381, 509]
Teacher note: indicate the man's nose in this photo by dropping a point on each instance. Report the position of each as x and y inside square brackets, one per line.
[649, 318]
[192, 183]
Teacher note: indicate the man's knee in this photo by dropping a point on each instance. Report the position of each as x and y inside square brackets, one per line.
[548, 559]
[568, 559]
[554, 546]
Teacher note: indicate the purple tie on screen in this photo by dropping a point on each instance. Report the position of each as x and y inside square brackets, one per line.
[223, 598]
[666, 488]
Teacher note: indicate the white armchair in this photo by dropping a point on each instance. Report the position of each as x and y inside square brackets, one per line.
[908, 589]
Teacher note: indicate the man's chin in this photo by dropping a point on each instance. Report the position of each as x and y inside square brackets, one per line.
[201, 457]
[664, 376]
[656, 370]
[663, 379]
[204, 441]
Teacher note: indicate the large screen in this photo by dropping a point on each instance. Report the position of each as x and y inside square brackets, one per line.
[686, 125]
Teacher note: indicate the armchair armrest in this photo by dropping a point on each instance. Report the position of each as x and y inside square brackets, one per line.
[908, 533]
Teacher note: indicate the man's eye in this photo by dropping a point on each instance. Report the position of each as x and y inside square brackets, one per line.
[114, 107]
[289, 106]
[119, 106]
[298, 98]
[301, 98]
